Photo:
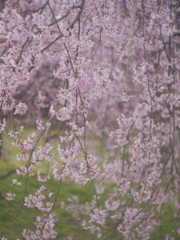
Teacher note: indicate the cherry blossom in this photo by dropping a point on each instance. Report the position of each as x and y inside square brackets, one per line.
[89, 94]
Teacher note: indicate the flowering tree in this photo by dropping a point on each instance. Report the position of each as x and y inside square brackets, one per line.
[88, 70]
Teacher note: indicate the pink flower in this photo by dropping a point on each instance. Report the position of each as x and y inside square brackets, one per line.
[3, 125]
[10, 196]
[21, 109]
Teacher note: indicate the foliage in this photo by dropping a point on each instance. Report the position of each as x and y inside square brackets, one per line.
[81, 72]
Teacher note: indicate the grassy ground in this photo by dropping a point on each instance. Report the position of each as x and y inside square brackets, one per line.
[66, 226]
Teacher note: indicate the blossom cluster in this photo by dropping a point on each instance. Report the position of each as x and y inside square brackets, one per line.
[90, 94]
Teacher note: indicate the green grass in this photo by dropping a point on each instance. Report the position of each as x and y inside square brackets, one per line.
[65, 224]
